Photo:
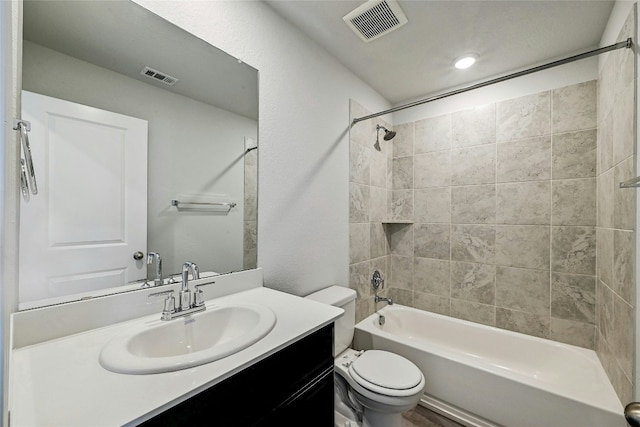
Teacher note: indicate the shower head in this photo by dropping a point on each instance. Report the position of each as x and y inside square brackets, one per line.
[388, 134]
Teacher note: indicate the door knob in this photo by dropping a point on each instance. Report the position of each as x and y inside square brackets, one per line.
[138, 255]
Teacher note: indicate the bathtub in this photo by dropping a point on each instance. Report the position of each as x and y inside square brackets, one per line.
[484, 376]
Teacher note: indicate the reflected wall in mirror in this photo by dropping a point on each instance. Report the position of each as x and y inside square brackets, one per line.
[200, 133]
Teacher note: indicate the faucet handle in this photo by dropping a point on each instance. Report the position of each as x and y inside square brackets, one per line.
[197, 294]
[169, 302]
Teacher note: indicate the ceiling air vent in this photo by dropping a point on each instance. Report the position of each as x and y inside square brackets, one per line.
[158, 76]
[375, 18]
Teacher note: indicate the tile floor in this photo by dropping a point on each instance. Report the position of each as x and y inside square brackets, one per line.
[423, 417]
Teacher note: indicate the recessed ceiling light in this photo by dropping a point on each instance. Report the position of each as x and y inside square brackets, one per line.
[465, 62]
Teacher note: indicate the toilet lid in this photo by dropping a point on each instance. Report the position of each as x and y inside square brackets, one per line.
[386, 370]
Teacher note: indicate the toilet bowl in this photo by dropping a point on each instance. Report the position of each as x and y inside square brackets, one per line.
[372, 387]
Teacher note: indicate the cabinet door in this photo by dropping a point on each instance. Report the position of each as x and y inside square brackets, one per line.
[313, 407]
[293, 387]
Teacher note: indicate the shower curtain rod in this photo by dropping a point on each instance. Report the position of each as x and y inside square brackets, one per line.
[627, 43]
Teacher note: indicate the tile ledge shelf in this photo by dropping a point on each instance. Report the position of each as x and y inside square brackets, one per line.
[397, 221]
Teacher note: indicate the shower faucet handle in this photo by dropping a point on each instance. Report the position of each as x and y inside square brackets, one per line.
[377, 281]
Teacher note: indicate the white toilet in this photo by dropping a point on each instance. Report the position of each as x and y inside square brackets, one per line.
[373, 387]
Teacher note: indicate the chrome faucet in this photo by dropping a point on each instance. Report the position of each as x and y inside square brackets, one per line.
[155, 257]
[185, 293]
[185, 304]
[378, 299]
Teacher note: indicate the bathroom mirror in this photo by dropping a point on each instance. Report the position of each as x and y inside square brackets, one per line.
[200, 109]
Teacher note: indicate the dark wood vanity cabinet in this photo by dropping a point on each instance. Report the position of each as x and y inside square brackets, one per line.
[293, 387]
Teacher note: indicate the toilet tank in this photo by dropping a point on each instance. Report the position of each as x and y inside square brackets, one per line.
[345, 298]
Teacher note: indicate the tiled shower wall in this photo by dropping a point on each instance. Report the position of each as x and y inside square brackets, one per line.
[615, 291]
[503, 203]
[369, 187]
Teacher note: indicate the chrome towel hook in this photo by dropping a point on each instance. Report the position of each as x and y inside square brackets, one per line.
[28, 181]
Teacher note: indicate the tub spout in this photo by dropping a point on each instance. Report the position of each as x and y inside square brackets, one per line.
[378, 299]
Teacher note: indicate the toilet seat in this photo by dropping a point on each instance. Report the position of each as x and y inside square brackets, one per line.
[386, 373]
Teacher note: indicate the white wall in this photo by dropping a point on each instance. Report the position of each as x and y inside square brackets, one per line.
[303, 137]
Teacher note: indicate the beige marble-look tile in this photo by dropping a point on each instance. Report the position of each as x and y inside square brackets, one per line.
[473, 282]
[473, 165]
[623, 264]
[524, 203]
[378, 240]
[574, 154]
[403, 173]
[433, 134]
[605, 258]
[432, 169]
[474, 126]
[523, 290]
[473, 311]
[623, 335]
[575, 107]
[403, 142]
[624, 199]
[621, 384]
[364, 308]
[524, 160]
[524, 117]
[605, 144]
[401, 272]
[378, 168]
[359, 279]
[573, 297]
[574, 202]
[432, 205]
[573, 250]
[574, 333]
[433, 303]
[605, 205]
[359, 202]
[473, 243]
[526, 323]
[604, 297]
[524, 246]
[401, 239]
[623, 124]
[432, 241]
[378, 200]
[473, 204]
[402, 204]
[250, 242]
[606, 86]
[398, 296]
[359, 164]
[624, 60]
[432, 276]
[359, 245]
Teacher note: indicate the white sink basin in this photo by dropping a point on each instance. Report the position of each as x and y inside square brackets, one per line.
[218, 332]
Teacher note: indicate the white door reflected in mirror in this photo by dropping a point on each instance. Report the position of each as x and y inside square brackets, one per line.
[79, 234]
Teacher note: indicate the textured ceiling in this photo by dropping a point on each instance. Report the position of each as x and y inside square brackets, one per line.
[416, 59]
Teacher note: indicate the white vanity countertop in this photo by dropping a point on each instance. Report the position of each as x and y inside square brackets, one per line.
[61, 383]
